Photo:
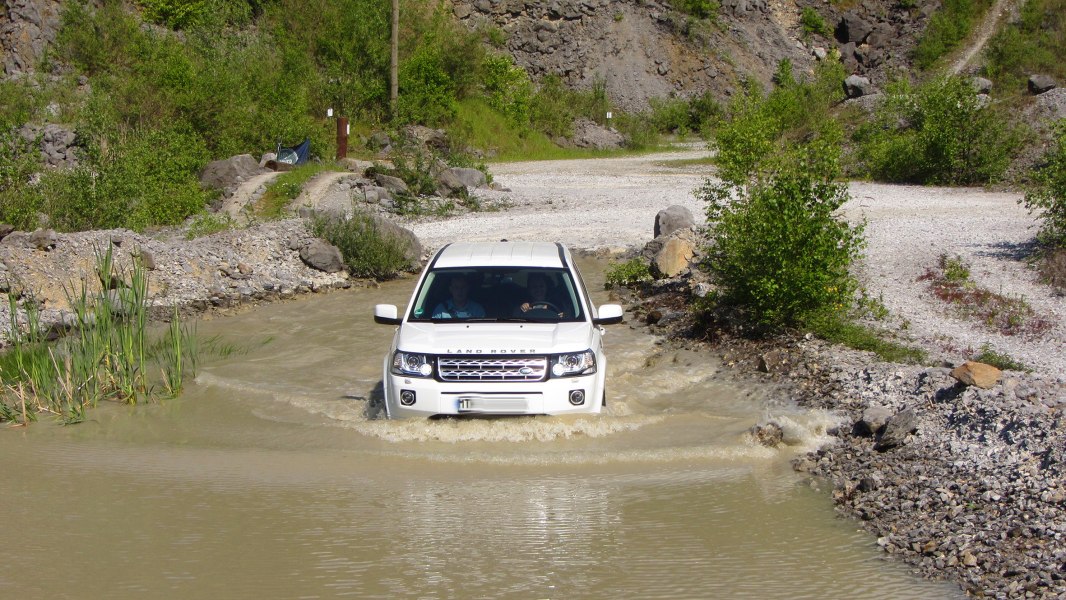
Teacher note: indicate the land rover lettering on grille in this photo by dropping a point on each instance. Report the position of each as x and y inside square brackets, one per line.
[502, 328]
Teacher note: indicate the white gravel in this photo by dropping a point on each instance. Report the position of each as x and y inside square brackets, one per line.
[612, 203]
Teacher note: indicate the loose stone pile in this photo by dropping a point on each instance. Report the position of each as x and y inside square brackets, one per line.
[974, 485]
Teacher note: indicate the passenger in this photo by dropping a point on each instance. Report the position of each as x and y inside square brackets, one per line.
[459, 306]
[537, 288]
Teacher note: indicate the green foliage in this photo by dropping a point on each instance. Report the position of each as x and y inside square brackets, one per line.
[206, 223]
[551, 109]
[1000, 360]
[20, 200]
[679, 116]
[628, 273]
[185, 14]
[948, 28]
[1047, 198]
[508, 88]
[701, 9]
[939, 132]
[834, 327]
[758, 123]
[108, 356]
[1030, 44]
[149, 178]
[777, 251]
[285, 188]
[814, 24]
[367, 249]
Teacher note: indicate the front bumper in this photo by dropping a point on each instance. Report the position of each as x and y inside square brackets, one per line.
[549, 397]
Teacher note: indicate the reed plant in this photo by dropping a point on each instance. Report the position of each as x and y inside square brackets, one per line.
[108, 356]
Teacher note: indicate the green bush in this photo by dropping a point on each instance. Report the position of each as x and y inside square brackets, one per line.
[1047, 198]
[759, 123]
[628, 273]
[939, 132]
[509, 89]
[814, 24]
[148, 179]
[777, 250]
[367, 250]
[701, 9]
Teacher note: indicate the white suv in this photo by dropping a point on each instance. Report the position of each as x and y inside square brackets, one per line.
[501, 328]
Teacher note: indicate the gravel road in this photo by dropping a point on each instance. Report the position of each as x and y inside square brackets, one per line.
[612, 203]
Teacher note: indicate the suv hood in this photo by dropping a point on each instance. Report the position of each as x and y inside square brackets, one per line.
[494, 338]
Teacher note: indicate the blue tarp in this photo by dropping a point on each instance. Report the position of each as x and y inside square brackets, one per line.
[297, 155]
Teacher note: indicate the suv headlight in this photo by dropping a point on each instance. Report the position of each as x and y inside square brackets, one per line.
[411, 364]
[577, 363]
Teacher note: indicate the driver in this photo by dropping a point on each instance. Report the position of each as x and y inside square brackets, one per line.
[459, 306]
[537, 288]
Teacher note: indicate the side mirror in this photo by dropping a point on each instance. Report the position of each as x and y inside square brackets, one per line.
[610, 314]
[386, 314]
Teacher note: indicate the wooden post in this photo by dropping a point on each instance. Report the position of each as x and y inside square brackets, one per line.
[342, 137]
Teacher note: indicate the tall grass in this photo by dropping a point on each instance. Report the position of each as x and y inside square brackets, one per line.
[108, 356]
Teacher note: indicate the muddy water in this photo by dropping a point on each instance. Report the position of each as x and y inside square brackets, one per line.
[272, 478]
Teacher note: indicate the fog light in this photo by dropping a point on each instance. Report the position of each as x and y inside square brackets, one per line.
[577, 397]
[407, 397]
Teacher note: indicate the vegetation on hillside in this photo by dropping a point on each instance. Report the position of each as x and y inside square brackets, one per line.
[948, 28]
[1032, 43]
[176, 83]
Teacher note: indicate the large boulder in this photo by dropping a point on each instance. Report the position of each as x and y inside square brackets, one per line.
[227, 174]
[853, 28]
[588, 134]
[413, 247]
[458, 180]
[896, 430]
[394, 185]
[675, 256]
[322, 255]
[978, 374]
[673, 218]
[856, 86]
[1038, 84]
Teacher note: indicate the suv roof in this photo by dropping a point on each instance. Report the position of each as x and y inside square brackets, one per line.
[501, 254]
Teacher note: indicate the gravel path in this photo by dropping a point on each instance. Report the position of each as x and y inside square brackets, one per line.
[612, 203]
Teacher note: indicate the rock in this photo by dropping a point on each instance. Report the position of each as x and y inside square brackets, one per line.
[853, 28]
[819, 53]
[228, 173]
[457, 180]
[774, 361]
[320, 254]
[896, 430]
[981, 85]
[1038, 84]
[978, 374]
[355, 165]
[675, 256]
[856, 86]
[5, 229]
[588, 134]
[770, 435]
[671, 219]
[147, 259]
[394, 185]
[873, 420]
[266, 158]
[427, 137]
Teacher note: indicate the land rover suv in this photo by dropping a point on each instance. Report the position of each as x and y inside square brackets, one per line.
[501, 328]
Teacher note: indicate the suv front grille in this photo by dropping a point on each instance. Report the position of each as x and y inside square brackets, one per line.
[492, 368]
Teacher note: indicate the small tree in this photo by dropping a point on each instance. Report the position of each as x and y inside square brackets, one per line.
[1048, 196]
[777, 251]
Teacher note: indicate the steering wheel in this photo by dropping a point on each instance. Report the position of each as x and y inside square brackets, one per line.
[544, 305]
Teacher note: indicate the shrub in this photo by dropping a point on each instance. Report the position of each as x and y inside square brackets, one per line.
[814, 24]
[939, 132]
[628, 273]
[758, 123]
[367, 250]
[701, 9]
[1047, 198]
[777, 251]
[509, 89]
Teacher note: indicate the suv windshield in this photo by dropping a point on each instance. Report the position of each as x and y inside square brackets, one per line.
[498, 294]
